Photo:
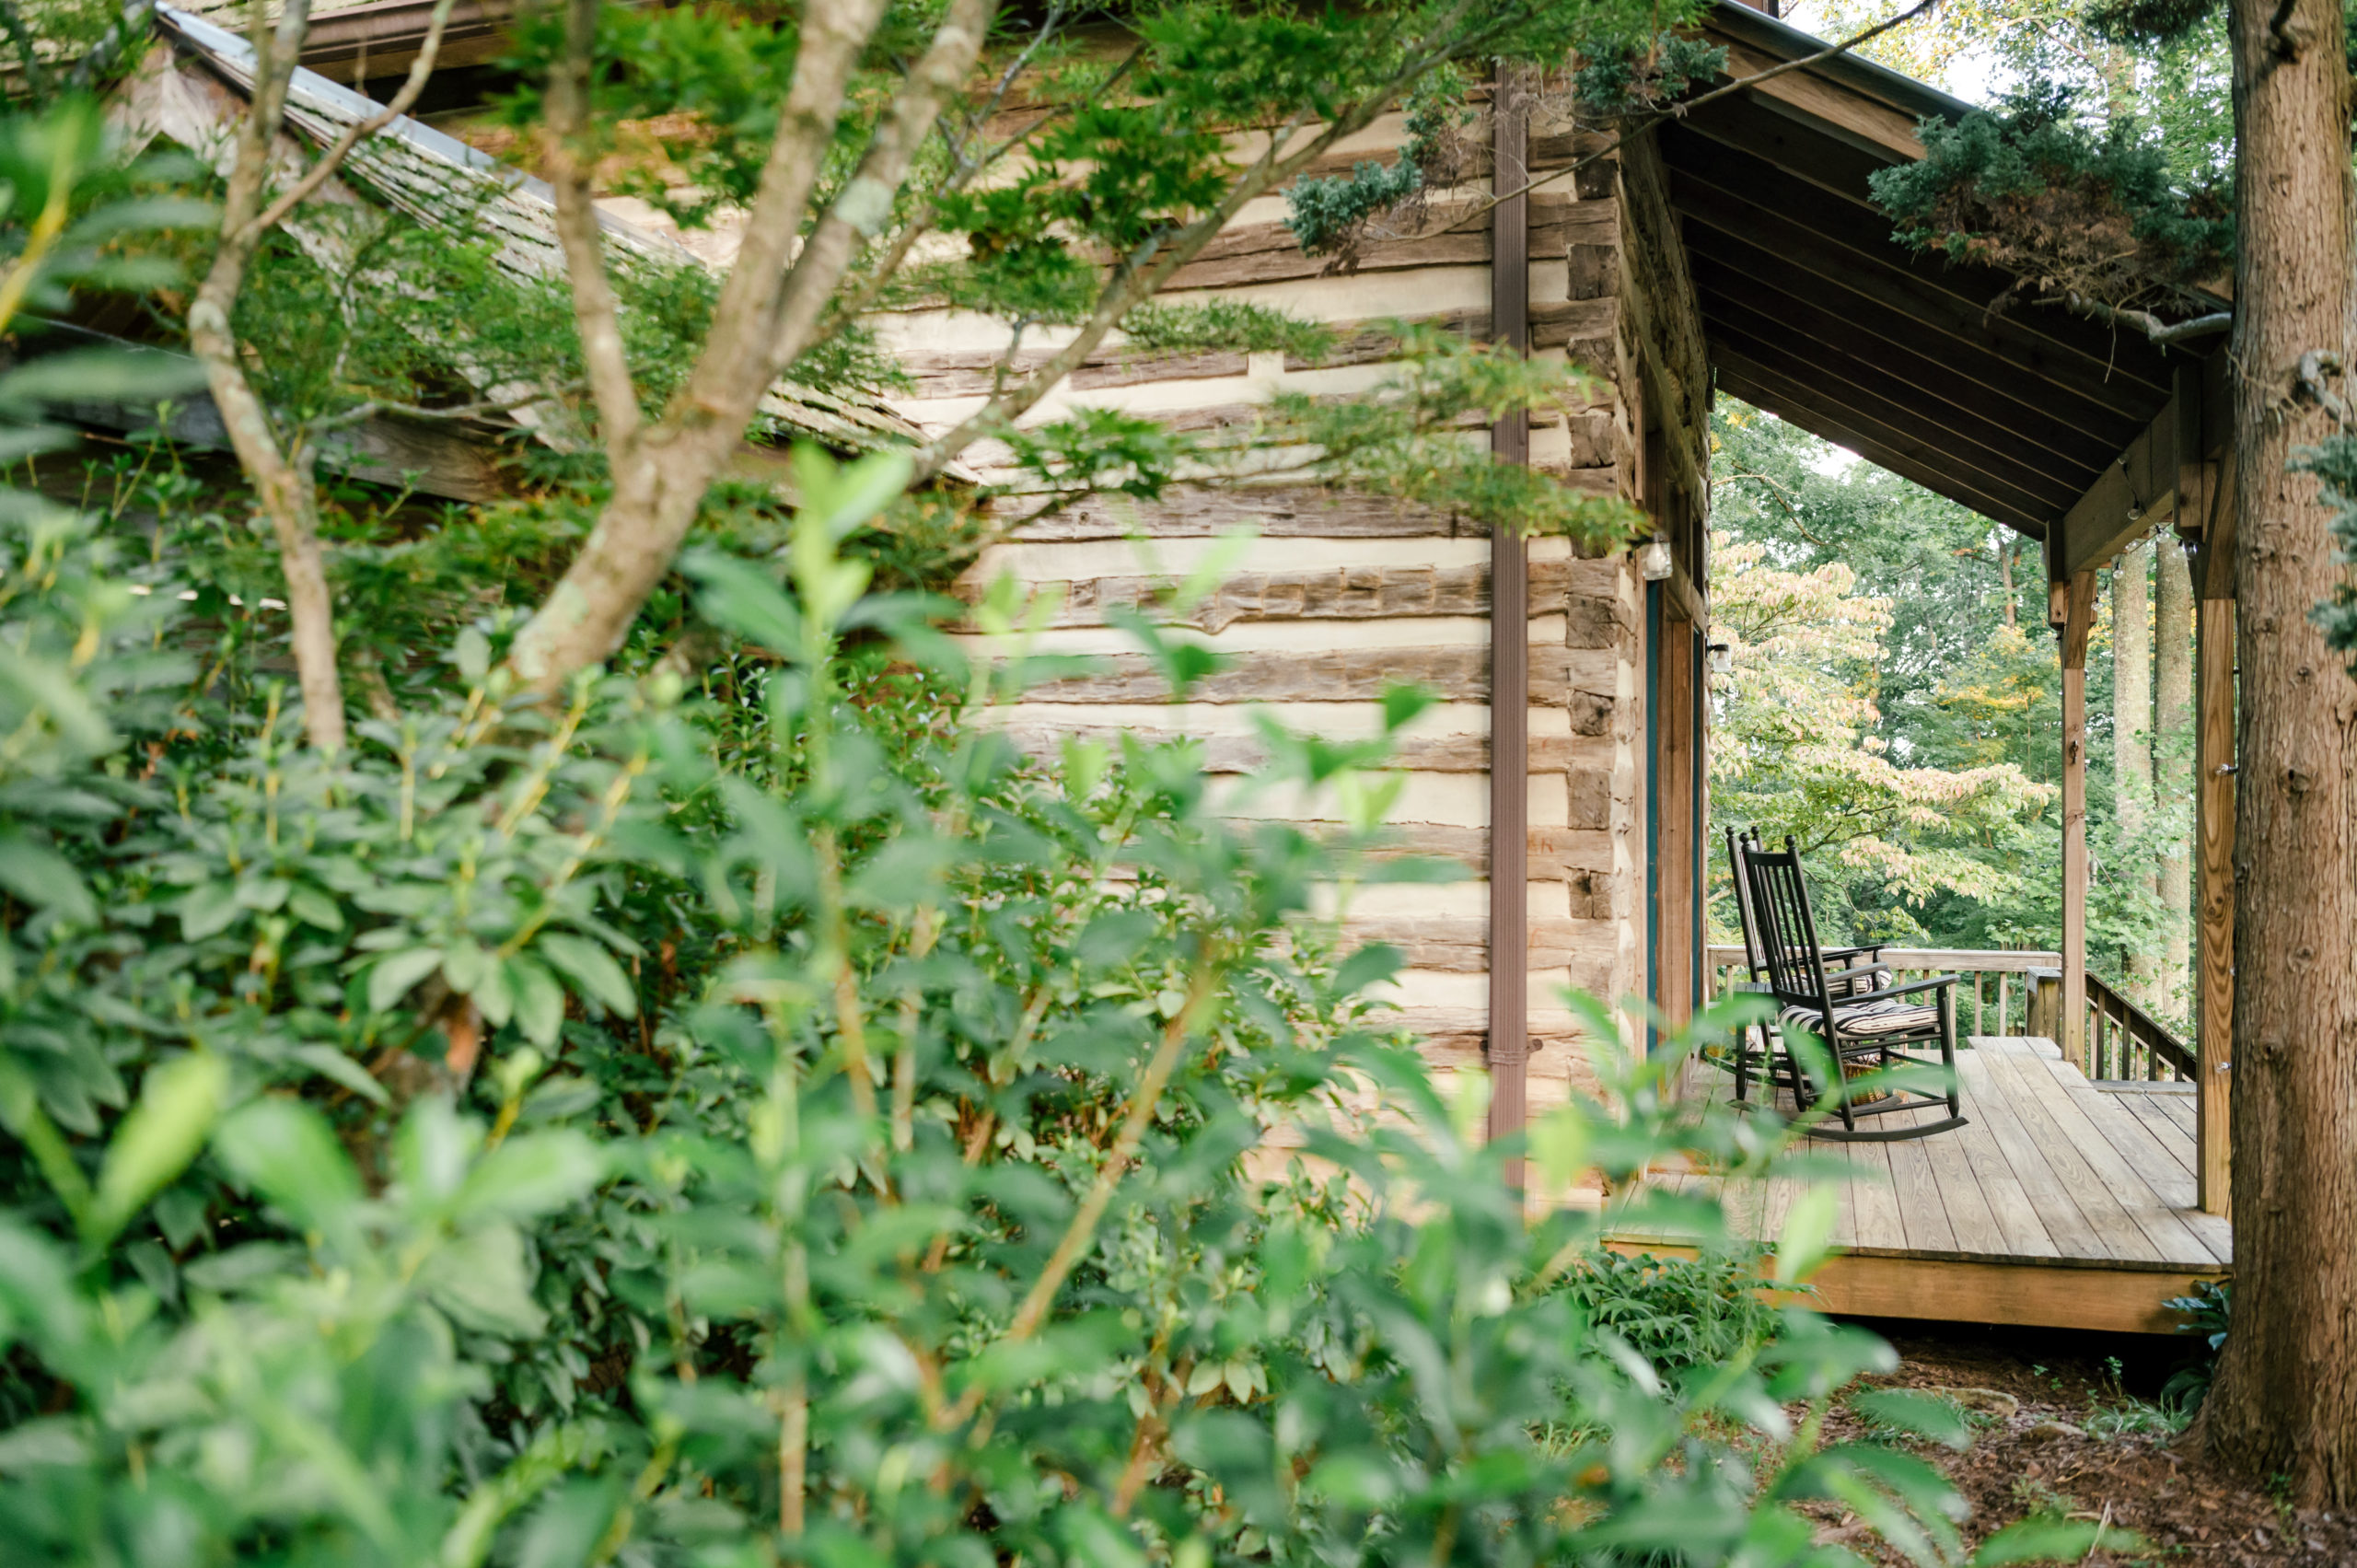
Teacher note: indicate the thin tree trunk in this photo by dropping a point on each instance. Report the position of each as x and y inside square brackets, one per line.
[2005, 575]
[2286, 1399]
[283, 487]
[2173, 768]
[282, 475]
[2132, 753]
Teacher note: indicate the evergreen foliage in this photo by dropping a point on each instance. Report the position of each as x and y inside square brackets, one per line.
[1237, 326]
[2075, 211]
[1631, 76]
[1330, 216]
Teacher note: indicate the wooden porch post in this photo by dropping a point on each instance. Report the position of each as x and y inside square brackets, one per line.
[2213, 825]
[1509, 1034]
[2206, 520]
[2071, 609]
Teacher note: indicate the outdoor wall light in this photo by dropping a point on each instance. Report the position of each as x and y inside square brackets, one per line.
[1654, 562]
[1721, 658]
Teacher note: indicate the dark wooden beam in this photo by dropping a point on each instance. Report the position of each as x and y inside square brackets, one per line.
[1778, 277]
[1834, 166]
[1760, 210]
[2024, 411]
[1909, 455]
[1733, 380]
[1966, 443]
[1866, 231]
[2121, 506]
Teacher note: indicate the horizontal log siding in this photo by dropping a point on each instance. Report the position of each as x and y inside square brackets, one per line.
[1344, 595]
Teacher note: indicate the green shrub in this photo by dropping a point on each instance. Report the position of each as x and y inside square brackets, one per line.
[1678, 1313]
[762, 1117]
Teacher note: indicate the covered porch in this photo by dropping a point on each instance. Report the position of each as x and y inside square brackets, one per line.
[2090, 1183]
[2064, 1202]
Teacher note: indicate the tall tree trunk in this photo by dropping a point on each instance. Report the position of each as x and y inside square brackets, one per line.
[2173, 768]
[2286, 1399]
[2132, 753]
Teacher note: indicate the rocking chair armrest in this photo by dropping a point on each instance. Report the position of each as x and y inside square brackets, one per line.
[1835, 955]
[1853, 974]
[1934, 983]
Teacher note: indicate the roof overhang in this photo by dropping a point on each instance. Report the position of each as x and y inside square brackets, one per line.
[2060, 428]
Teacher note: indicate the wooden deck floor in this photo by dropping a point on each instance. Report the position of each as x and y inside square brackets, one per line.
[2061, 1202]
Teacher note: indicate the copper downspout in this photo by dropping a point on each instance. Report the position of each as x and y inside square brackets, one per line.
[1509, 1045]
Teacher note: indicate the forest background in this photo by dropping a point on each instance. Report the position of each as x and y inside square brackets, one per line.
[1893, 699]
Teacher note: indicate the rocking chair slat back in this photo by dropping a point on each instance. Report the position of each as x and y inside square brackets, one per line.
[1740, 848]
[1786, 929]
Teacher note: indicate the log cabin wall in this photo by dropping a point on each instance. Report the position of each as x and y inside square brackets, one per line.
[1343, 594]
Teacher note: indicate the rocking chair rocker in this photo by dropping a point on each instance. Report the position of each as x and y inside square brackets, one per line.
[1866, 1022]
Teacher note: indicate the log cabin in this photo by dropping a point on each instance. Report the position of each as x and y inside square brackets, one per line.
[1733, 249]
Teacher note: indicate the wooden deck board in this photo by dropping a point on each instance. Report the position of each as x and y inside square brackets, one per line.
[2086, 1117]
[1876, 1196]
[2133, 1138]
[2060, 1202]
[2021, 1233]
[2061, 1142]
[2047, 1192]
[2165, 1127]
[1971, 1219]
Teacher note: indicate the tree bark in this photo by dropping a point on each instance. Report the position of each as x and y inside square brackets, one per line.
[2286, 1398]
[2131, 753]
[282, 485]
[281, 472]
[662, 471]
[2173, 769]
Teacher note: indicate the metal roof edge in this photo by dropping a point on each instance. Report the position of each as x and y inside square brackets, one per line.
[1761, 32]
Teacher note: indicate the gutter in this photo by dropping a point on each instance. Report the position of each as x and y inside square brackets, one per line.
[1509, 1043]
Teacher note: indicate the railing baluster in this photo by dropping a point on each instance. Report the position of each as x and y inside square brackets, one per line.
[2005, 1003]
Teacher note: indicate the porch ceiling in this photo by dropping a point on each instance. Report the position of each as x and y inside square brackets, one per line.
[1812, 311]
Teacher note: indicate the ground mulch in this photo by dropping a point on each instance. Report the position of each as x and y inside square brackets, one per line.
[2041, 1455]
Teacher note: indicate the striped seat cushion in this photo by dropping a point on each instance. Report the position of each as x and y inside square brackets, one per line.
[1859, 984]
[1891, 1015]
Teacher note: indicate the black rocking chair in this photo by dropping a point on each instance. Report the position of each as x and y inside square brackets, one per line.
[1755, 1054]
[1866, 1022]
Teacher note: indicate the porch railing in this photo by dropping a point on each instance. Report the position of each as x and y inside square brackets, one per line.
[2000, 1000]
[2125, 1043]
[2021, 994]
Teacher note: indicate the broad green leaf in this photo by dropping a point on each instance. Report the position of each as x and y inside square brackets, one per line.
[178, 1101]
[2058, 1542]
[1807, 1234]
[44, 878]
[208, 909]
[1919, 1415]
[592, 969]
[482, 1281]
[530, 1175]
[564, 1531]
[329, 1063]
[313, 907]
[285, 1151]
[539, 1000]
[397, 974]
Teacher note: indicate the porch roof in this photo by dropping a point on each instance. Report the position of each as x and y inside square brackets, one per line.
[2060, 428]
